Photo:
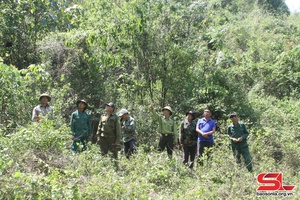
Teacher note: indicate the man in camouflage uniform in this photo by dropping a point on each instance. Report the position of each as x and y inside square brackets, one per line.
[167, 129]
[109, 131]
[188, 138]
[238, 135]
[80, 126]
[128, 129]
[44, 109]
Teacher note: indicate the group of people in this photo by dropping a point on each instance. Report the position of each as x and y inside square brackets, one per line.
[195, 137]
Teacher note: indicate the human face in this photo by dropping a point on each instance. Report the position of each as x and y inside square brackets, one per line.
[125, 116]
[190, 117]
[207, 114]
[109, 109]
[167, 113]
[81, 106]
[234, 119]
[44, 100]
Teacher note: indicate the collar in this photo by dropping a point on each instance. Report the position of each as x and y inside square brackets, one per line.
[44, 106]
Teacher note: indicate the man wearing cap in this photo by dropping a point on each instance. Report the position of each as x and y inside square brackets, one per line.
[205, 129]
[44, 109]
[238, 135]
[80, 126]
[188, 138]
[167, 129]
[128, 130]
[109, 131]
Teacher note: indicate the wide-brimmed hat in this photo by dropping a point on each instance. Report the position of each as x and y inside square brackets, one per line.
[45, 95]
[168, 108]
[122, 112]
[83, 101]
[233, 115]
[191, 113]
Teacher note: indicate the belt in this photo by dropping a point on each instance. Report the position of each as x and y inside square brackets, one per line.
[167, 134]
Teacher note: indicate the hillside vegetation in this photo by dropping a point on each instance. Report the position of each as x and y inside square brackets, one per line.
[230, 56]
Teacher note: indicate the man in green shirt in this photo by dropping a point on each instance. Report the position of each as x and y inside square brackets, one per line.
[238, 135]
[109, 131]
[128, 129]
[80, 126]
[167, 129]
[44, 109]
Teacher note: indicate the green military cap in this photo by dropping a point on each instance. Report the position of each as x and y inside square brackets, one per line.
[45, 95]
[233, 115]
[168, 108]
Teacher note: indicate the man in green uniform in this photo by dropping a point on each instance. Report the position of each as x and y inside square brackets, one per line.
[44, 109]
[238, 135]
[128, 129]
[80, 126]
[109, 131]
[167, 129]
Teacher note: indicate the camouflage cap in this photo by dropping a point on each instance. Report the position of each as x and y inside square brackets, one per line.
[191, 113]
[168, 108]
[83, 101]
[111, 104]
[122, 112]
[45, 95]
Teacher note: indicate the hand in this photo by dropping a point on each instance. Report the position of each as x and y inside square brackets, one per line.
[72, 137]
[239, 139]
[235, 140]
[182, 145]
[205, 136]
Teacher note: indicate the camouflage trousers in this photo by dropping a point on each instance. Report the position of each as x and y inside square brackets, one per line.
[108, 144]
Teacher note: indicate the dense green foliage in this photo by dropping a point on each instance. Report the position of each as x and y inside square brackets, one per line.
[241, 56]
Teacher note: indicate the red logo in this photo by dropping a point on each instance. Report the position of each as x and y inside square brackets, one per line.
[272, 182]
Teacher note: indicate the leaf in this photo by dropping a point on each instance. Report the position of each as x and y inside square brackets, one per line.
[17, 175]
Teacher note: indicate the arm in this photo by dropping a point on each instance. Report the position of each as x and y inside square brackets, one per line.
[229, 132]
[230, 135]
[155, 116]
[72, 125]
[89, 125]
[210, 132]
[213, 124]
[50, 114]
[99, 127]
[181, 137]
[198, 130]
[245, 135]
[175, 132]
[34, 115]
[118, 131]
